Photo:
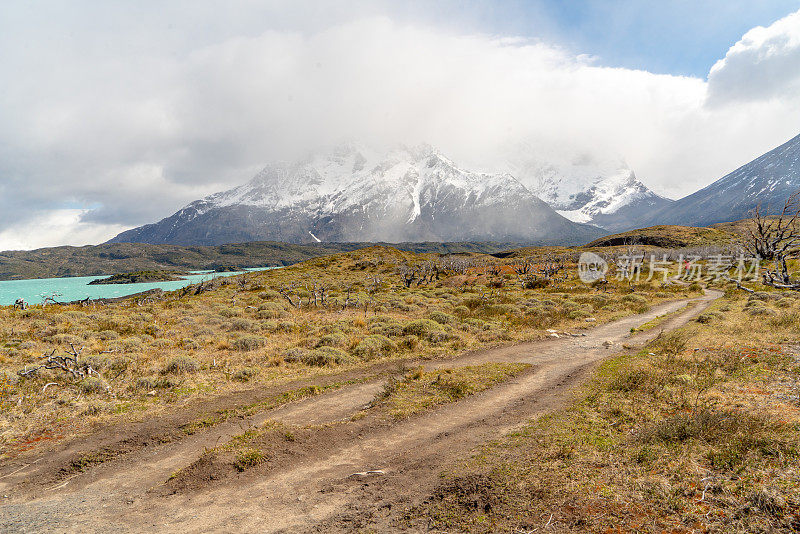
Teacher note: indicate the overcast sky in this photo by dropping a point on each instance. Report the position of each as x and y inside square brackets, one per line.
[116, 114]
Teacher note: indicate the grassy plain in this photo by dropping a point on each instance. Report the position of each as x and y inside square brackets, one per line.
[342, 313]
[697, 432]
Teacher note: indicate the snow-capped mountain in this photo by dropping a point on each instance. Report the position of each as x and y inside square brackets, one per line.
[583, 186]
[767, 180]
[354, 193]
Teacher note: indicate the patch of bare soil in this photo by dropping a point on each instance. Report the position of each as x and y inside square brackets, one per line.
[343, 477]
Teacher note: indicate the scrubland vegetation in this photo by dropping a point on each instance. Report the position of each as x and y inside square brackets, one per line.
[140, 357]
[697, 432]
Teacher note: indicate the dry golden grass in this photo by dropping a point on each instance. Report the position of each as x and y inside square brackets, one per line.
[421, 390]
[150, 356]
[698, 432]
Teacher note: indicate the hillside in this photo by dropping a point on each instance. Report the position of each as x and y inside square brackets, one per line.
[129, 257]
[355, 193]
[767, 180]
[668, 236]
[448, 394]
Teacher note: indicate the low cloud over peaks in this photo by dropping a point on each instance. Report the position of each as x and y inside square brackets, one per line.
[130, 132]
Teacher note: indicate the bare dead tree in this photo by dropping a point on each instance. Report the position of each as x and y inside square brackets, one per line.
[408, 274]
[775, 238]
[21, 304]
[551, 266]
[524, 266]
[287, 292]
[69, 363]
[50, 299]
[348, 301]
[494, 270]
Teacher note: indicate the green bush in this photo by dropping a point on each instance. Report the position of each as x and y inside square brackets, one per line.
[271, 310]
[332, 340]
[248, 458]
[248, 343]
[327, 356]
[181, 365]
[245, 374]
[391, 329]
[242, 325]
[91, 384]
[461, 311]
[374, 346]
[637, 299]
[425, 329]
[441, 317]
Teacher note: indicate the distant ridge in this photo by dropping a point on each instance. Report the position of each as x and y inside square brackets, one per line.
[767, 180]
[353, 193]
[128, 257]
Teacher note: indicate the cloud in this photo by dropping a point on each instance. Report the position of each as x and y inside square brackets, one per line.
[763, 65]
[128, 122]
[54, 228]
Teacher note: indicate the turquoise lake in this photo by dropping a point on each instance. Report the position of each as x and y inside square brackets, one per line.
[78, 288]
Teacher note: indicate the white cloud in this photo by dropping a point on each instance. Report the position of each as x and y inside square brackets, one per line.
[53, 228]
[764, 64]
[144, 125]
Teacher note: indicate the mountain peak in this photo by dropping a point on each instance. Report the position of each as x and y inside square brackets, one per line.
[351, 192]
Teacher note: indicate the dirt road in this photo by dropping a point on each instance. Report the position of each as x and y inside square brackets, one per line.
[318, 488]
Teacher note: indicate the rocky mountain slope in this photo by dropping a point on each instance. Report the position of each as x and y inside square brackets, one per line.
[584, 187]
[767, 180]
[353, 193]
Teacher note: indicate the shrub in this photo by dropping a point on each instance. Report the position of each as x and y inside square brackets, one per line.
[379, 319]
[670, 343]
[91, 384]
[461, 311]
[441, 317]
[409, 342]
[761, 310]
[108, 335]
[96, 362]
[154, 382]
[786, 320]
[536, 283]
[332, 340]
[271, 310]
[326, 356]
[627, 380]
[181, 365]
[578, 314]
[637, 299]
[295, 355]
[132, 344]
[374, 346]
[425, 329]
[245, 374]
[242, 325]
[269, 294]
[477, 324]
[387, 329]
[248, 343]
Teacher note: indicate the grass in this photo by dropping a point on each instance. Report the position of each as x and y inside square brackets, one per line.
[248, 331]
[699, 431]
[421, 390]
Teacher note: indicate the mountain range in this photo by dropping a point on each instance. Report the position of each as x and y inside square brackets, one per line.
[767, 180]
[356, 193]
[353, 193]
